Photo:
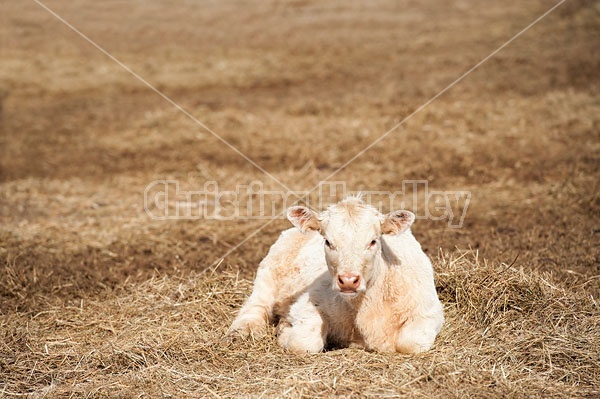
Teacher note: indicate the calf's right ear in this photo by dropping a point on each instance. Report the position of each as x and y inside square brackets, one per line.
[303, 218]
[397, 222]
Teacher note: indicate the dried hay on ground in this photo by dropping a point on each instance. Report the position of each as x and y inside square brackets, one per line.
[508, 333]
[99, 300]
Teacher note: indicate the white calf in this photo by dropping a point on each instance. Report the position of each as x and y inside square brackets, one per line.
[347, 276]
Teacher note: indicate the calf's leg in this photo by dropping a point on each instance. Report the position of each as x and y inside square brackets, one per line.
[303, 329]
[417, 335]
[255, 315]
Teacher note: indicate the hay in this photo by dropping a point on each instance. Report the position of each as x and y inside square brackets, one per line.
[98, 300]
[508, 333]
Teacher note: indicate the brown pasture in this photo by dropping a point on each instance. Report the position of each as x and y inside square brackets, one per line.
[99, 300]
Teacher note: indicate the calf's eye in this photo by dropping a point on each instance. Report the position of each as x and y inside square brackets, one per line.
[327, 244]
[373, 243]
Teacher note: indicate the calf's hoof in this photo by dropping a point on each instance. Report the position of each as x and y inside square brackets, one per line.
[254, 329]
[298, 343]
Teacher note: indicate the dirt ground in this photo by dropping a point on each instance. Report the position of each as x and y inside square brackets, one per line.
[99, 300]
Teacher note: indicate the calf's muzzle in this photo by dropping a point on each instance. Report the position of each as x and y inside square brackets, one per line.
[348, 282]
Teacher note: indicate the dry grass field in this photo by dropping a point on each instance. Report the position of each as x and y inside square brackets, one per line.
[99, 300]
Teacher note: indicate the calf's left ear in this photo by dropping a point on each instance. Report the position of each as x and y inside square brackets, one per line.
[303, 218]
[396, 222]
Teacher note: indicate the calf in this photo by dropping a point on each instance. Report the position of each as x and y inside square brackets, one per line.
[346, 276]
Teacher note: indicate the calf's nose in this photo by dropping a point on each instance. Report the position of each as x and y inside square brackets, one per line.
[348, 282]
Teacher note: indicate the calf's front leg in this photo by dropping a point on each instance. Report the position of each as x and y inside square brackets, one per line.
[254, 317]
[303, 328]
[417, 335]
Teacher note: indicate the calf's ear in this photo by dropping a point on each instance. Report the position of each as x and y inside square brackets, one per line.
[396, 222]
[303, 218]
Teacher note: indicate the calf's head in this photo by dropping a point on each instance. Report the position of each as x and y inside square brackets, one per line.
[351, 232]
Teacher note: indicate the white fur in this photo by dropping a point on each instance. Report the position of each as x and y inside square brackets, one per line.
[395, 308]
